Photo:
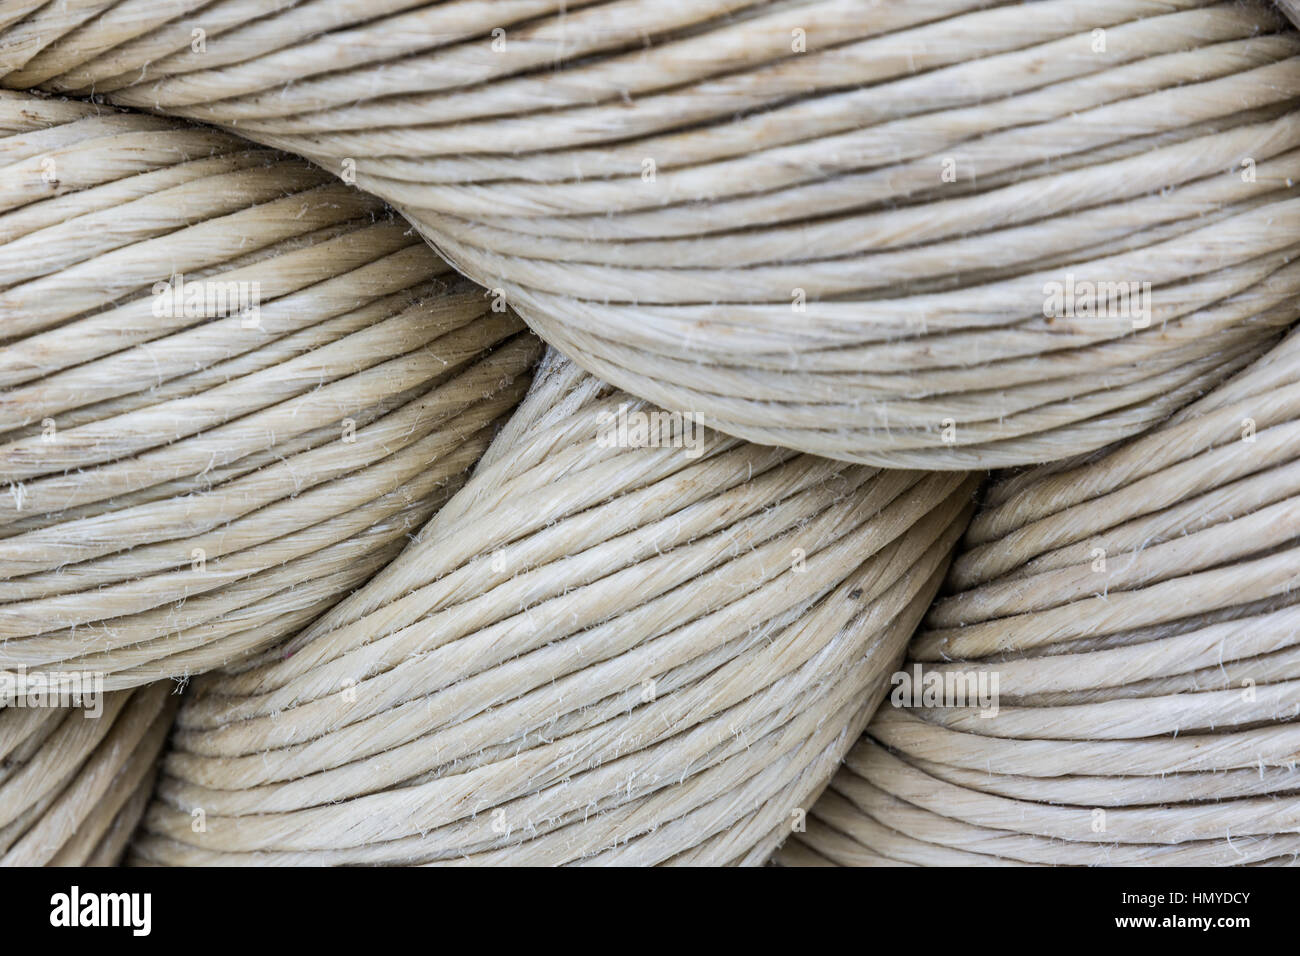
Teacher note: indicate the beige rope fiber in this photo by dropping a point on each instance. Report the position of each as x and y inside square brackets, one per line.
[181, 487]
[603, 649]
[1141, 612]
[818, 228]
[73, 782]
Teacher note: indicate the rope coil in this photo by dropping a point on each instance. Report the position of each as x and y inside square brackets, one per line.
[74, 783]
[229, 388]
[1139, 610]
[597, 652]
[818, 229]
[948, 236]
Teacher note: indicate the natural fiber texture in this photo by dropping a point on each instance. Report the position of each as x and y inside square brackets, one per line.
[1292, 9]
[595, 653]
[818, 228]
[182, 486]
[1141, 610]
[73, 786]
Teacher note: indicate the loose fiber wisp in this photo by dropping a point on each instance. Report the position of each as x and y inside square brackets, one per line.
[877, 236]
[1140, 611]
[603, 649]
[186, 480]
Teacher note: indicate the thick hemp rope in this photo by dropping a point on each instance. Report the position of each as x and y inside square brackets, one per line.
[74, 780]
[822, 228]
[1141, 612]
[626, 640]
[184, 481]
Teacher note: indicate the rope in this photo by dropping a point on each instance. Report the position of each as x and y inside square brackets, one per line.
[817, 229]
[73, 784]
[1138, 608]
[627, 647]
[186, 480]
